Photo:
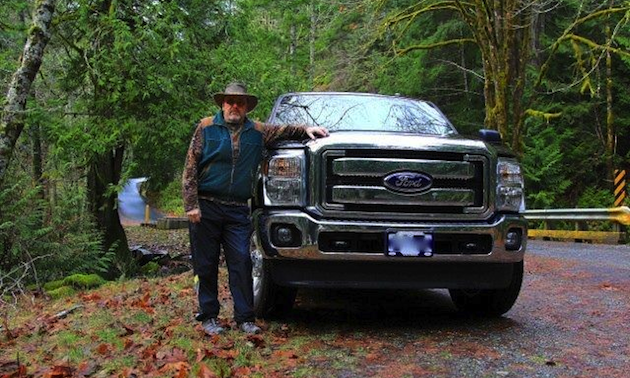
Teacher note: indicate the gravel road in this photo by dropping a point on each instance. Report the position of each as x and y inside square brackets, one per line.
[572, 319]
[614, 256]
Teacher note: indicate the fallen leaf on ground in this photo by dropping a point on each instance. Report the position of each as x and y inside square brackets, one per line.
[242, 371]
[180, 367]
[90, 297]
[12, 369]
[60, 371]
[284, 354]
[103, 349]
[86, 369]
[205, 372]
[257, 340]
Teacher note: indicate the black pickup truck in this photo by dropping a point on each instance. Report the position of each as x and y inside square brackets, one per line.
[393, 198]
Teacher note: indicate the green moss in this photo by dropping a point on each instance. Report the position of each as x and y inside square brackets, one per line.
[184, 343]
[53, 285]
[84, 281]
[67, 338]
[304, 371]
[111, 336]
[544, 115]
[220, 367]
[61, 292]
[142, 318]
[150, 269]
[34, 29]
[115, 365]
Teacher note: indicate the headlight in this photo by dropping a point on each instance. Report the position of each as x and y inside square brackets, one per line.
[285, 179]
[510, 195]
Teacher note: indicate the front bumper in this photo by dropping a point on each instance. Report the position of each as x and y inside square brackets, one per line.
[310, 229]
[307, 265]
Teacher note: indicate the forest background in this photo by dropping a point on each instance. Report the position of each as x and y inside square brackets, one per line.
[123, 82]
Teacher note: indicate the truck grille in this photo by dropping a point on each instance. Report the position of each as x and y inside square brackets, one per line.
[355, 182]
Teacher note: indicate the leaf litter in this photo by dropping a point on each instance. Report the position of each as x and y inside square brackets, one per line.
[144, 328]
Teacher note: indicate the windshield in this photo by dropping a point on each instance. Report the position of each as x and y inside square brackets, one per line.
[345, 112]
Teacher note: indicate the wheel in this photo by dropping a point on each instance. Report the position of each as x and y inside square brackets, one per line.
[270, 300]
[489, 302]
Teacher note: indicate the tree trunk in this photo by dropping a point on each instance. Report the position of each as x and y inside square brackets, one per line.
[312, 45]
[537, 29]
[12, 122]
[293, 46]
[105, 169]
[610, 118]
[103, 174]
[38, 170]
[505, 50]
[462, 57]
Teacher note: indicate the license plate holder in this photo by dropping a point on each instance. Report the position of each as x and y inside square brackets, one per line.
[409, 244]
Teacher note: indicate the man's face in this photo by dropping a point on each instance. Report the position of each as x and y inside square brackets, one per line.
[234, 109]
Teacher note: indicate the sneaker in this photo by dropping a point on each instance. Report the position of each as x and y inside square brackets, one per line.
[249, 327]
[211, 327]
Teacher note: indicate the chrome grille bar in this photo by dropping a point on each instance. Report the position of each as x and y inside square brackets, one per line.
[377, 167]
[374, 195]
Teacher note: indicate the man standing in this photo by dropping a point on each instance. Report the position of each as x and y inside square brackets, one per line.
[221, 165]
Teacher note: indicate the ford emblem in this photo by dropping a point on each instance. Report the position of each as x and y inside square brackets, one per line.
[408, 182]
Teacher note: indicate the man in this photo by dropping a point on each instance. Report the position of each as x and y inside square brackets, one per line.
[221, 165]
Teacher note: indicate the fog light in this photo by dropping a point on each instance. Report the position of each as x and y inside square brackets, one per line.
[286, 235]
[513, 239]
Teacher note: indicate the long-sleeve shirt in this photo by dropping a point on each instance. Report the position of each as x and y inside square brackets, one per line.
[221, 163]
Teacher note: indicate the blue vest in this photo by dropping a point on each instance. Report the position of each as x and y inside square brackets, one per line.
[218, 175]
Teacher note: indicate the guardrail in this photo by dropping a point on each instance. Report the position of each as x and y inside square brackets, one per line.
[617, 215]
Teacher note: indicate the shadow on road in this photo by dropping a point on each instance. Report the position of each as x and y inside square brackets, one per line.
[385, 310]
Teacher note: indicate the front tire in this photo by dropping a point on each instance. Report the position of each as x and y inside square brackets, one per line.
[270, 299]
[489, 302]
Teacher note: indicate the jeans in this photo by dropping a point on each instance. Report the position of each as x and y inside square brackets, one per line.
[230, 227]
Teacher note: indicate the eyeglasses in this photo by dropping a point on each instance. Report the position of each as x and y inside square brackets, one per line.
[235, 101]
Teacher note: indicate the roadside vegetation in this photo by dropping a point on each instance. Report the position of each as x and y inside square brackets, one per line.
[144, 327]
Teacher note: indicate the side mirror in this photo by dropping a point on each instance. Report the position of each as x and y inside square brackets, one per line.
[490, 136]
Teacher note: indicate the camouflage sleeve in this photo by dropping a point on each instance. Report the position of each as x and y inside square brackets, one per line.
[189, 177]
[272, 133]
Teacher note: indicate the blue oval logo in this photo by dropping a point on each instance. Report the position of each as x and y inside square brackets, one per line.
[408, 182]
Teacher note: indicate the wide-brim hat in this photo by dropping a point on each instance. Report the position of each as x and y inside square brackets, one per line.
[236, 89]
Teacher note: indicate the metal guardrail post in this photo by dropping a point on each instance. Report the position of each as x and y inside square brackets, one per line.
[147, 214]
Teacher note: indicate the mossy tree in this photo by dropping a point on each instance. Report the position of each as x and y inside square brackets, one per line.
[12, 120]
[502, 31]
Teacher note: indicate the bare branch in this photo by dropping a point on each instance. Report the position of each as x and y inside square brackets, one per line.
[545, 67]
[476, 74]
[597, 62]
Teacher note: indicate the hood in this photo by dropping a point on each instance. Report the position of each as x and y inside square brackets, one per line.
[400, 141]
